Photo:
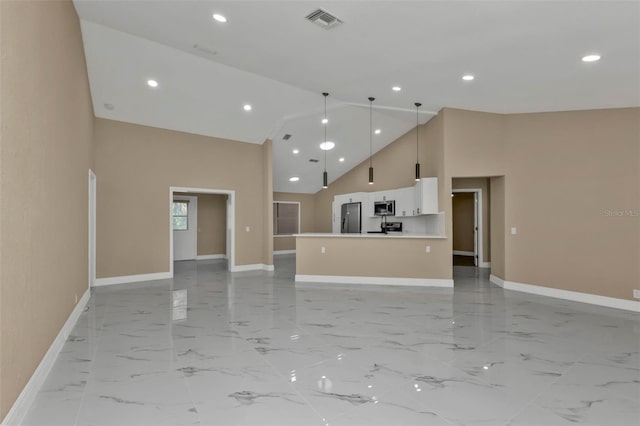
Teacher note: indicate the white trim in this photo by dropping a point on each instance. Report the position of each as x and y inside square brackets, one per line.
[414, 282]
[496, 280]
[133, 278]
[211, 256]
[231, 226]
[463, 253]
[253, 267]
[277, 252]
[593, 299]
[485, 264]
[16, 414]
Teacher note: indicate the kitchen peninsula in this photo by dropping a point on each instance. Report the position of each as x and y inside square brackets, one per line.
[418, 256]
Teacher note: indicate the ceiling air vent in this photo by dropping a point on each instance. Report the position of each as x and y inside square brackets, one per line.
[286, 137]
[313, 160]
[324, 19]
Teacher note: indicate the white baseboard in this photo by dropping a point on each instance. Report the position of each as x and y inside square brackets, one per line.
[485, 264]
[463, 253]
[414, 282]
[132, 278]
[252, 267]
[574, 296]
[496, 280]
[277, 252]
[211, 256]
[27, 396]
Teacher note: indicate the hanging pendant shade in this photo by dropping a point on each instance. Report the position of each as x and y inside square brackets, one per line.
[371, 140]
[418, 105]
[325, 176]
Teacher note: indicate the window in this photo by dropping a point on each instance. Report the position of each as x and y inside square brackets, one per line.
[180, 212]
[286, 218]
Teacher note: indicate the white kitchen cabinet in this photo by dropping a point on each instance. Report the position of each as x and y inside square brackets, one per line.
[426, 196]
[382, 195]
[405, 202]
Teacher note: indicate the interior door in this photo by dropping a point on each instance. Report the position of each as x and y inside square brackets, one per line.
[185, 225]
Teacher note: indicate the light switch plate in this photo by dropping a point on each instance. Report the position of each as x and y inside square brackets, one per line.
[636, 294]
[427, 249]
[514, 230]
[323, 249]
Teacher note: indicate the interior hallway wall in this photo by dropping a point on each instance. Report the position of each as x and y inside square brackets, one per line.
[45, 156]
[136, 165]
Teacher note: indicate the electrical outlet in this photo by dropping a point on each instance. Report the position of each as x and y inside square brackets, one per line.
[636, 293]
[514, 230]
[427, 249]
[248, 228]
[323, 250]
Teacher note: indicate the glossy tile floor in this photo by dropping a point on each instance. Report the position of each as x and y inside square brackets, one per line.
[209, 348]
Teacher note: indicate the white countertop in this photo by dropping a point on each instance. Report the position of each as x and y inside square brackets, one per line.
[365, 235]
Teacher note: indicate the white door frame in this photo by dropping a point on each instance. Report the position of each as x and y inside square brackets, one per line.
[192, 213]
[231, 232]
[477, 225]
[92, 228]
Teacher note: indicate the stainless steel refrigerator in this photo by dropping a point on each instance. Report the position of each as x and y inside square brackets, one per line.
[351, 220]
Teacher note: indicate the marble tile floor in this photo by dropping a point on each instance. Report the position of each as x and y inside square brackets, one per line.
[214, 348]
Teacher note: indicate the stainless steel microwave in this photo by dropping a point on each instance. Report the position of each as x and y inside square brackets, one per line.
[384, 208]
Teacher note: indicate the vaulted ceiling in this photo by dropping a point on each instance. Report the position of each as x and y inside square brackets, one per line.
[525, 57]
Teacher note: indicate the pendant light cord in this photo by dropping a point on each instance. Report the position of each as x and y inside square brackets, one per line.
[325, 130]
[371, 130]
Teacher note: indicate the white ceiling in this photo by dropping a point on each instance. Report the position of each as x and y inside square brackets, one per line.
[525, 56]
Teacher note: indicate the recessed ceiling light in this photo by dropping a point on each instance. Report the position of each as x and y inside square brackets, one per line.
[591, 58]
[326, 146]
[325, 120]
[341, 159]
[295, 151]
[219, 18]
[396, 88]
[247, 107]
[468, 77]
[294, 179]
[377, 132]
[152, 83]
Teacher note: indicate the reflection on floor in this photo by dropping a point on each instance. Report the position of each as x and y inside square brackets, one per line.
[215, 348]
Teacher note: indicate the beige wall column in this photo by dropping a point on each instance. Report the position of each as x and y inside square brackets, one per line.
[267, 161]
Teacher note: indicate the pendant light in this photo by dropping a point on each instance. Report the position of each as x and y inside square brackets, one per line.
[325, 177]
[418, 105]
[371, 140]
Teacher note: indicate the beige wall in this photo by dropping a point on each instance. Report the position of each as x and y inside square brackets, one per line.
[498, 228]
[212, 224]
[483, 184]
[566, 170]
[307, 217]
[136, 165]
[462, 206]
[45, 155]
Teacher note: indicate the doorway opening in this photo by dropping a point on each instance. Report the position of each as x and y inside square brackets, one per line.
[201, 225]
[467, 227]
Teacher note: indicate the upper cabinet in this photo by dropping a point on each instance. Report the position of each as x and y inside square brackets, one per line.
[426, 196]
[405, 202]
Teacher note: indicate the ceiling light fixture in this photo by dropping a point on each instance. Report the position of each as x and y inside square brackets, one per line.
[325, 177]
[377, 132]
[295, 151]
[247, 107]
[294, 179]
[152, 83]
[341, 159]
[468, 77]
[418, 105]
[371, 140]
[396, 88]
[327, 146]
[591, 58]
[219, 18]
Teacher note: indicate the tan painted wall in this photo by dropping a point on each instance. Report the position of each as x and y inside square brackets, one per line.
[46, 152]
[267, 188]
[136, 165]
[482, 183]
[498, 228]
[212, 224]
[307, 217]
[566, 170]
[373, 257]
[463, 221]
